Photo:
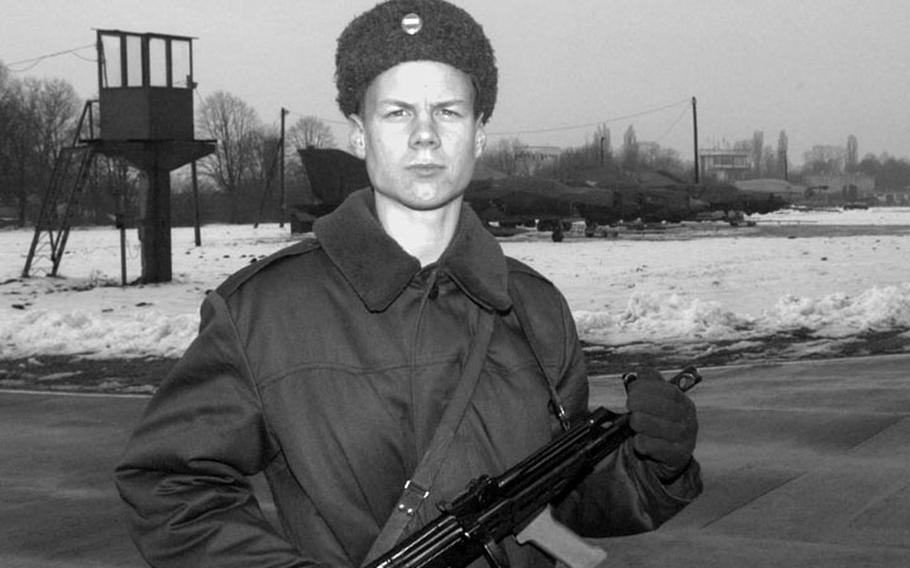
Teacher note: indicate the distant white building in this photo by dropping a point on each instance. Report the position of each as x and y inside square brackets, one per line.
[533, 158]
[725, 165]
[835, 157]
[899, 196]
[849, 187]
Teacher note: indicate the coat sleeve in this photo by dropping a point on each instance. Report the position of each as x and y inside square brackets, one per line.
[184, 472]
[623, 495]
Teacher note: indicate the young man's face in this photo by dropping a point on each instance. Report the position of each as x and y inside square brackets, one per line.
[418, 134]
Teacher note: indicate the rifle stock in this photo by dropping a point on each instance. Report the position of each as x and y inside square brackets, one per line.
[491, 508]
[558, 540]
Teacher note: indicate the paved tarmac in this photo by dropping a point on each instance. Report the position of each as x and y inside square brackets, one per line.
[805, 464]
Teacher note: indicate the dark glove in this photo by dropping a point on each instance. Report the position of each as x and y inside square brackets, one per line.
[664, 421]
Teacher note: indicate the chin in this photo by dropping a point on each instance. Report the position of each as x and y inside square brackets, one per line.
[426, 198]
[419, 196]
[426, 204]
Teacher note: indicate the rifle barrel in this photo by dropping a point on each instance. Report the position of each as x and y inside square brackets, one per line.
[419, 548]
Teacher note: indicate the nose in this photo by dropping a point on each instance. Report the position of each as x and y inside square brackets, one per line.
[424, 133]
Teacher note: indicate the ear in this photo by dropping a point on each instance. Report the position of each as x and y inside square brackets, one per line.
[356, 136]
[480, 138]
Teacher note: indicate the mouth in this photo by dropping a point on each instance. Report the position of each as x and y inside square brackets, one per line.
[426, 169]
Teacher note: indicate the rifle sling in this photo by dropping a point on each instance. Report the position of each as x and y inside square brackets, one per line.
[417, 489]
[524, 321]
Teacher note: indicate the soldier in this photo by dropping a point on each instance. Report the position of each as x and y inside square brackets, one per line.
[333, 365]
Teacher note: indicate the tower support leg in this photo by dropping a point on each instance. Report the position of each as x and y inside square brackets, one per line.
[155, 227]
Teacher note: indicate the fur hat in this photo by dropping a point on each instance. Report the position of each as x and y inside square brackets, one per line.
[413, 30]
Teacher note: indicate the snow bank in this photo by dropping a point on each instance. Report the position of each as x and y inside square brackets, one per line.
[654, 318]
[81, 331]
[730, 288]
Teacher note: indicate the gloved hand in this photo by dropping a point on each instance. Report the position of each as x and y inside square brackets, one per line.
[665, 423]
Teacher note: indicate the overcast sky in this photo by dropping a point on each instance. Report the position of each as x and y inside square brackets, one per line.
[819, 69]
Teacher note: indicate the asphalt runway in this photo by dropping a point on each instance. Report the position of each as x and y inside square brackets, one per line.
[805, 464]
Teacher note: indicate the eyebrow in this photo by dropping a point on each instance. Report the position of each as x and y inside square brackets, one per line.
[397, 102]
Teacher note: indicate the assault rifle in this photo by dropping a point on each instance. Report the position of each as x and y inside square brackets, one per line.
[517, 501]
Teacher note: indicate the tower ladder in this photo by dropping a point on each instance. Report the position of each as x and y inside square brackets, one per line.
[70, 173]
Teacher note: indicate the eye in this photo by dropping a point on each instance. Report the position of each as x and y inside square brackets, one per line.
[396, 113]
[450, 112]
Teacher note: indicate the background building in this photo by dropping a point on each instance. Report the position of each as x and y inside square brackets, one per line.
[725, 165]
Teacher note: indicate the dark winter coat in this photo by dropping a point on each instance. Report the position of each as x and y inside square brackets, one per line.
[328, 366]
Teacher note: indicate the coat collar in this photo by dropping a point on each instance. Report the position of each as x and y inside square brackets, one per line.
[379, 269]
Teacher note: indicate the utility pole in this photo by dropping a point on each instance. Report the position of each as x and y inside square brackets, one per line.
[284, 113]
[695, 137]
[196, 222]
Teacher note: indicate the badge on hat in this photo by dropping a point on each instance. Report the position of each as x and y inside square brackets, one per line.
[411, 23]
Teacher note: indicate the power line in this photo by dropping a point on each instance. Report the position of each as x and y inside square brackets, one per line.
[684, 112]
[84, 58]
[590, 124]
[36, 60]
[684, 103]
[555, 128]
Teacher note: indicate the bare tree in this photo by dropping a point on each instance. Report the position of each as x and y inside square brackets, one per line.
[769, 162]
[852, 158]
[268, 165]
[602, 144]
[113, 193]
[235, 125]
[55, 107]
[267, 152]
[661, 159]
[39, 117]
[309, 132]
[630, 149]
[782, 158]
[758, 146]
[504, 156]
[8, 121]
[824, 159]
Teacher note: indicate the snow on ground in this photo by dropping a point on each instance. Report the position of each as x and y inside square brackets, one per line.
[724, 284]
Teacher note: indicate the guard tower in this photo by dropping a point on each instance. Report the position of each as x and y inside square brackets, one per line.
[145, 91]
[145, 86]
